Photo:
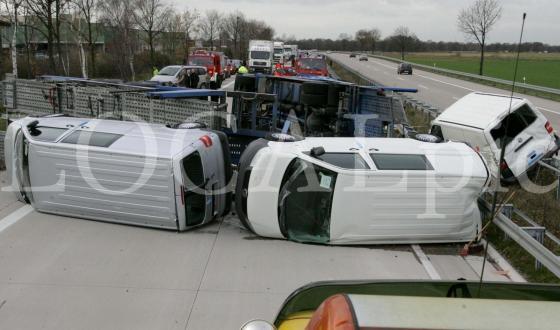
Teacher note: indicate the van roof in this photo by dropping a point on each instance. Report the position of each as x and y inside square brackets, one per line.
[479, 110]
[153, 140]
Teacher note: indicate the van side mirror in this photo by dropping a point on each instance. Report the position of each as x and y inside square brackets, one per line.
[258, 325]
[317, 151]
[32, 128]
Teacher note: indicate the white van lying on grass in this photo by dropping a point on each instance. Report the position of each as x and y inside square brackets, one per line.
[480, 120]
[117, 171]
[361, 190]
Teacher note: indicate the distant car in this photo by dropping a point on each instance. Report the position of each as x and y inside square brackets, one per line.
[352, 54]
[360, 191]
[363, 57]
[480, 119]
[404, 68]
[171, 75]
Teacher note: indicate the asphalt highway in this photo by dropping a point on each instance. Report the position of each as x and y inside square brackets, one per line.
[436, 90]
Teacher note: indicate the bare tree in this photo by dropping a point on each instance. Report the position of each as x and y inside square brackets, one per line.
[45, 13]
[210, 26]
[477, 20]
[190, 25]
[173, 36]
[403, 39]
[116, 16]
[88, 10]
[151, 17]
[368, 39]
[232, 25]
[12, 7]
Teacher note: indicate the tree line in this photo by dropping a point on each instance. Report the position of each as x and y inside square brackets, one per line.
[116, 38]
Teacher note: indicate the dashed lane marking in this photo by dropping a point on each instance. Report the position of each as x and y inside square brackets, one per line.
[15, 216]
[426, 263]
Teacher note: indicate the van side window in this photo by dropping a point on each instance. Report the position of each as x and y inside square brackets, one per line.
[401, 162]
[346, 160]
[94, 139]
[47, 134]
[518, 121]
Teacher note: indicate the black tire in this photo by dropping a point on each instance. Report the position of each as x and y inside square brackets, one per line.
[314, 99]
[245, 83]
[427, 138]
[282, 137]
[314, 88]
[192, 125]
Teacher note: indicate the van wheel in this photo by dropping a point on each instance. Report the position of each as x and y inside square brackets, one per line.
[313, 99]
[245, 83]
[427, 138]
[191, 125]
[282, 137]
[313, 88]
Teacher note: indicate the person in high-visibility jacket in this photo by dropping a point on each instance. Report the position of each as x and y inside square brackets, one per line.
[155, 71]
[242, 69]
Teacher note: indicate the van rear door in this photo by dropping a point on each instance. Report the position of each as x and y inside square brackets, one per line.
[191, 197]
[526, 139]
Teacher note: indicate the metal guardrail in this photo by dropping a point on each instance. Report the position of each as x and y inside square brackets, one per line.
[474, 76]
[530, 238]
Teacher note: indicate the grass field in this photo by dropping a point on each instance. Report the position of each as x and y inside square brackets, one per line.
[538, 69]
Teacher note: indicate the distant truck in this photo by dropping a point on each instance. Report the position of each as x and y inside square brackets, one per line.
[290, 52]
[261, 56]
[215, 63]
[278, 52]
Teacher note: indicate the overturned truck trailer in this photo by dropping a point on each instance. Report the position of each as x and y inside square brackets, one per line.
[311, 106]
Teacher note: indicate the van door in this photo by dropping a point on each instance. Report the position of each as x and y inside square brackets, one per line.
[526, 140]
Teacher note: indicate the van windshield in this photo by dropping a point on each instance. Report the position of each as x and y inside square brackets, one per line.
[195, 200]
[518, 121]
[305, 201]
[201, 60]
[46, 134]
[260, 55]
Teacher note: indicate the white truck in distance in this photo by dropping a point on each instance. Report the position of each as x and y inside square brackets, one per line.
[278, 52]
[290, 52]
[261, 56]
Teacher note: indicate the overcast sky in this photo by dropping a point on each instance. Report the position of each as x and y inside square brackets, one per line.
[429, 19]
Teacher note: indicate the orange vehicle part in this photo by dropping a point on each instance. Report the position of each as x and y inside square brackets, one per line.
[335, 313]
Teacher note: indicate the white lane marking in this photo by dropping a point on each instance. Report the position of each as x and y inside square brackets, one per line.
[547, 110]
[445, 82]
[228, 84]
[15, 216]
[399, 78]
[426, 263]
[422, 86]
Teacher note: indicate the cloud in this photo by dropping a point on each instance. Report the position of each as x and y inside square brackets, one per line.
[429, 19]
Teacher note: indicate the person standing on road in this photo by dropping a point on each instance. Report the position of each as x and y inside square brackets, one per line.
[242, 69]
[193, 78]
[155, 71]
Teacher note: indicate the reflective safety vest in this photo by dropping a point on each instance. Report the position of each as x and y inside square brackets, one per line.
[242, 69]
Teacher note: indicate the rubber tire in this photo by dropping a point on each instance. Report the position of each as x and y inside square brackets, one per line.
[314, 99]
[314, 88]
[245, 83]
[274, 138]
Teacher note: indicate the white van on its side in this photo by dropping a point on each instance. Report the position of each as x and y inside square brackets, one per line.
[117, 171]
[480, 119]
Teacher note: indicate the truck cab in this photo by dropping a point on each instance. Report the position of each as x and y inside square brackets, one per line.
[214, 62]
[260, 56]
[279, 52]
